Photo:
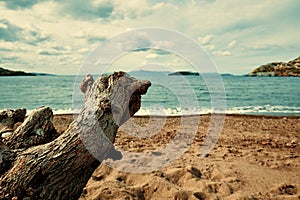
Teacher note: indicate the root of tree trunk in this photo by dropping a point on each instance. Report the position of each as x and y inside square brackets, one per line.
[38, 163]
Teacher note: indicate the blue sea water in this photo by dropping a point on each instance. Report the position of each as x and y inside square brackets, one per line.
[168, 95]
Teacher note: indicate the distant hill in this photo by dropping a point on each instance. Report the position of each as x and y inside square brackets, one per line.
[146, 73]
[6, 72]
[42, 74]
[291, 68]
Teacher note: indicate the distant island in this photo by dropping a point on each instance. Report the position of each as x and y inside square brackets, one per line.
[6, 72]
[291, 68]
[184, 73]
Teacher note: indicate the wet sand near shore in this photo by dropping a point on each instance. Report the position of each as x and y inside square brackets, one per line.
[255, 157]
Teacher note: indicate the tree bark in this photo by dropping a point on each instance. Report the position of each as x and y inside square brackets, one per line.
[36, 129]
[59, 169]
[8, 118]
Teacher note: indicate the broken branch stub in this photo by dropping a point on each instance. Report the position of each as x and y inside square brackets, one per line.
[8, 118]
[36, 129]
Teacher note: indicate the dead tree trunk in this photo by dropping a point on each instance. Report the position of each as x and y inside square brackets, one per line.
[61, 168]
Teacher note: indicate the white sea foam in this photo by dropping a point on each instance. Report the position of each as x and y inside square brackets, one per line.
[58, 111]
[266, 109]
[68, 111]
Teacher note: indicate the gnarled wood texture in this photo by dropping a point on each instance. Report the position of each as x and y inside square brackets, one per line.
[59, 169]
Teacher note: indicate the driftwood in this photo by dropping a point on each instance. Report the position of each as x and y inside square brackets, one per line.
[36, 163]
[8, 118]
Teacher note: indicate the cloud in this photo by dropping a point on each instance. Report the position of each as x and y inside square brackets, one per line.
[96, 39]
[13, 33]
[131, 10]
[242, 25]
[19, 4]
[231, 44]
[61, 48]
[152, 56]
[87, 9]
[8, 31]
[3, 26]
[36, 30]
[181, 3]
[78, 9]
[222, 53]
[49, 53]
[89, 37]
[7, 46]
[210, 47]
[155, 53]
[206, 39]
[5, 49]
[34, 36]
[139, 49]
[141, 42]
[160, 52]
[9, 59]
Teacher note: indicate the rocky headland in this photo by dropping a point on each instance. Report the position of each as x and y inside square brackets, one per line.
[6, 72]
[291, 68]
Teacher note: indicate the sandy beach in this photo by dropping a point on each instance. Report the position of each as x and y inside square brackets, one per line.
[256, 157]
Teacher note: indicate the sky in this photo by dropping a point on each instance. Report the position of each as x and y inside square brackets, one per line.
[57, 36]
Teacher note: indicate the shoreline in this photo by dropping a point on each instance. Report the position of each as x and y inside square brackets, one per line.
[195, 115]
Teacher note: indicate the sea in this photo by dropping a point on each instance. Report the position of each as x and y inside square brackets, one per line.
[168, 95]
